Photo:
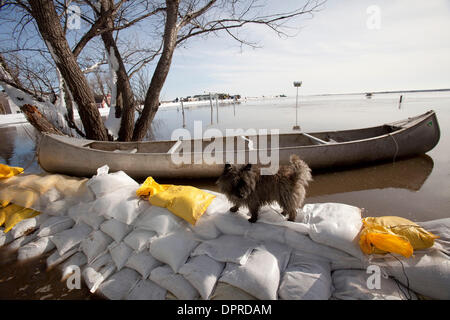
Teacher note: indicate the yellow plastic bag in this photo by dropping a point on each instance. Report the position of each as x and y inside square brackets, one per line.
[150, 187]
[7, 171]
[393, 234]
[186, 202]
[13, 214]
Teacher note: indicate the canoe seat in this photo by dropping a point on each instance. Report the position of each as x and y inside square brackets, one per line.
[175, 147]
[315, 140]
[250, 142]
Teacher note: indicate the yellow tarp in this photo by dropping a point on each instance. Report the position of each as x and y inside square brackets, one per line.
[25, 190]
[186, 202]
[393, 234]
[8, 172]
[13, 214]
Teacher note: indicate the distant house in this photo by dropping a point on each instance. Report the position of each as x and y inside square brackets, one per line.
[101, 101]
[7, 105]
[220, 96]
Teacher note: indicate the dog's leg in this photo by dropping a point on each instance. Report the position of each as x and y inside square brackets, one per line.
[234, 208]
[292, 215]
[289, 210]
[254, 213]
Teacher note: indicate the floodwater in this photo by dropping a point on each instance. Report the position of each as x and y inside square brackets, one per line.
[417, 188]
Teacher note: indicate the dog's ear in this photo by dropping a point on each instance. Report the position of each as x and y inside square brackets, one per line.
[247, 167]
[227, 167]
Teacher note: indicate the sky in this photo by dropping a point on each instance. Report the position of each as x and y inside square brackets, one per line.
[349, 46]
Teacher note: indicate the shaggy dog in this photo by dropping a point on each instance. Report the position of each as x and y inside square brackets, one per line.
[244, 186]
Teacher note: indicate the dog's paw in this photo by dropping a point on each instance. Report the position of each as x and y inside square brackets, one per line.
[252, 219]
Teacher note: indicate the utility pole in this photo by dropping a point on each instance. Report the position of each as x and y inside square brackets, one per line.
[297, 84]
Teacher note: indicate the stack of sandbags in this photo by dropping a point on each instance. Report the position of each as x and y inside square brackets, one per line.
[126, 248]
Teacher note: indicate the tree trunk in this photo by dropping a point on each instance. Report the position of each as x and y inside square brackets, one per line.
[43, 11]
[2, 108]
[124, 95]
[125, 99]
[151, 103]
[38, 120]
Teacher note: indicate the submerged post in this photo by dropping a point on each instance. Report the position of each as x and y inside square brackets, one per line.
[297, 84]
[217, 109]
[182, 110]
[210, 103]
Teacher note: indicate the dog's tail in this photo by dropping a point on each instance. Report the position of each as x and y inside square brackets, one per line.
[302, 171]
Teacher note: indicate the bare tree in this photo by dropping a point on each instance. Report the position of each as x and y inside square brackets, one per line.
[169, 24]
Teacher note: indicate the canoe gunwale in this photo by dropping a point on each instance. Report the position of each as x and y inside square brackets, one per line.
[155, 163]
[410, 122]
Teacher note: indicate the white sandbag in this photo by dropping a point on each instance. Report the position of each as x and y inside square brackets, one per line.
[97, 272]
[147, 290]
[93, 278]
[349, 263]
[104, 184]
[54, 225]
[427, 272]
[219, 204]
[173, 248]
[122, 205]
[120, 253]
[307, 277]
[143, 262]
[232, 223]
[266, 232]
[27, 226]
[281, 252]
[160, 220]
[175, 283]
[441, 228]
[5, 238]
[202, 272]
[336, 225]
[75, 261]
[21, 241]
[205, 227]
[55, 258]
[259, 277]
[115, 229]
[46, 199]
[70, 238]
[95, 244]
[227, 248]
[118, 286]
[77, 210]
[353, 285]
[35, 248]
[92, 219]
[225, 291]
[140, 239]
[304, 243]
[59, 208]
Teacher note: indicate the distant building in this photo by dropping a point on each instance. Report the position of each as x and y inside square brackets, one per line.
[101, 101]
[220, 96]
[8, 106]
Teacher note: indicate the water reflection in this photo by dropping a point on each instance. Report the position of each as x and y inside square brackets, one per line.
[18, 147]
[408, 174]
